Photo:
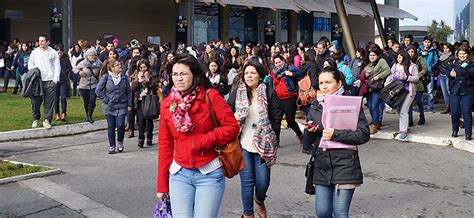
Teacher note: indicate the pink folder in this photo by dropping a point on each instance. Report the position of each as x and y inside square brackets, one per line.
[340, 112]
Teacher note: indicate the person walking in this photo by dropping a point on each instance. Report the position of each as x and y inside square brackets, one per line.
[406, 71]
[116, 95]
[88, 69]
[46, 59]
[461, 87]
[420, 86]
[284, 78]
[76, 55]
[217, 77]
[445, 66]
[257, 108]
[144, 84]
[337, 172]
[9, 64]
[377, 69]
[20, 63]
[430, 56]
[188, 165]
[63, 85]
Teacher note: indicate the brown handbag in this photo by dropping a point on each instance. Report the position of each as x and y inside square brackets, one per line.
[229, 154]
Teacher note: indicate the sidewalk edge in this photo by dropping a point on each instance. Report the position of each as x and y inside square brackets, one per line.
[71, 129]
[50, 172]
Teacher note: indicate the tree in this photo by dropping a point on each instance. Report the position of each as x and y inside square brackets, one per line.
[439, 31]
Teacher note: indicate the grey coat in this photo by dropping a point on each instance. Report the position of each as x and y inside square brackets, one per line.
[92, 73]
[33, 85]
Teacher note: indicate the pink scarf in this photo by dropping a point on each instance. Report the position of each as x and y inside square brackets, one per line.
[179, 109]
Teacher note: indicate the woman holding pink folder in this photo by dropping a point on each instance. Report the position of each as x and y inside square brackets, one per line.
[336, 172]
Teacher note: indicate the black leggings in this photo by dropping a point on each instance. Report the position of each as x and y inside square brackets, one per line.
[144, 124]
[289, 108]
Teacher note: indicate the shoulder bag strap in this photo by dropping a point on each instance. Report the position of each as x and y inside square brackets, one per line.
[212, 113]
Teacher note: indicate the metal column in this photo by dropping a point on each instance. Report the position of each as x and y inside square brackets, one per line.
[346, 28]
[67, 24]
[375, 10]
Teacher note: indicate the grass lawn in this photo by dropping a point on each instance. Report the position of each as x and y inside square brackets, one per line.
[8, 169]
[15, 112]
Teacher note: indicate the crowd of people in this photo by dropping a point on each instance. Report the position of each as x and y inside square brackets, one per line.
[252, 88]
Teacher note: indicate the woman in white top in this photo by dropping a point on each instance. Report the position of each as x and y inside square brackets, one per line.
[257, 108]
[407, 72]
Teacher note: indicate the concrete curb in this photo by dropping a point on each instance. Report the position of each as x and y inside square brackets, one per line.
[64, 130]
[432, 140]
[51, 171]
[418, 138]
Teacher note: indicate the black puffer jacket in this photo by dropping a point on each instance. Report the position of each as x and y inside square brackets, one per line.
[275, 113]
[338, 166]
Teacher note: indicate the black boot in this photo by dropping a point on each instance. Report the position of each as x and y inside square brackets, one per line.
[15, 91]
[89, 115]
[422, 120]
[149, 142]
[141, 142]
[454, 134]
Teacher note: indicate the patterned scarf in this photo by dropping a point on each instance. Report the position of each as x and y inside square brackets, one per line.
[179, 109]
[265, 139]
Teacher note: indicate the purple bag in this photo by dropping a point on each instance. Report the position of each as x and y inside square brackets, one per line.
[163, 209]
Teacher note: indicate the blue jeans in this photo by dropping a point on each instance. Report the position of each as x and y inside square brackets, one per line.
[332, 203]
[430, 89]
[256, 175]
[8, 76]
[375, 106]
[194, 194]
[444, 84]
[61, 95]
[115, 122]
[461, 105]
[419, 104]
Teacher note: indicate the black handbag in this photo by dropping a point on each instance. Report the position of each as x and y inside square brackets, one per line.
[375, 85]
[309, 188]
[394, 93]
[150, 106]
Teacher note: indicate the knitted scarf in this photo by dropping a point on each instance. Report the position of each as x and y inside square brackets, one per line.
[179, 109]
[265, 139]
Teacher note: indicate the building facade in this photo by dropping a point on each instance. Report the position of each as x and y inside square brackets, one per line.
[463, 19]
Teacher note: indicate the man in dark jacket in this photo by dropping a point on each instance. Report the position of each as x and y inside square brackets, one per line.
[323, 54]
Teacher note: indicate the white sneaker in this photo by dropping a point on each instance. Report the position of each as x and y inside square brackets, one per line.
[46, 124]
[34, 124]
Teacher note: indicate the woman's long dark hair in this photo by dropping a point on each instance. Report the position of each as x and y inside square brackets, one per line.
[406, 62]
[260, 70]
[199, 77]
[415, 57]
[293, 52]
[73, 51]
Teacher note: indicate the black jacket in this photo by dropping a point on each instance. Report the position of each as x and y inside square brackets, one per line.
[322, 58]
[66, 68]
[275, 113]
[311, 69]
[337, 166]
[464, 80]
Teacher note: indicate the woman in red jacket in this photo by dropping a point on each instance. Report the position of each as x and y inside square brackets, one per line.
[188, 165]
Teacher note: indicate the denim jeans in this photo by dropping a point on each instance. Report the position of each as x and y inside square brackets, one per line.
[194, 194]
[461, 105]
[8, 75]
[61, 95]
[115, 122]
[332, 203]
[444, 84]
[376, 106]
[256, 175]
[430, 89]
[419, 104]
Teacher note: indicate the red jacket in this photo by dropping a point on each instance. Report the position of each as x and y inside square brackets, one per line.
[196, 147]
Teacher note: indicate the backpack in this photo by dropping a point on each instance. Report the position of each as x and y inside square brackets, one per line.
[306, 93]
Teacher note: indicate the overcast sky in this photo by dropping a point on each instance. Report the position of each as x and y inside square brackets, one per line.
[427, 10]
